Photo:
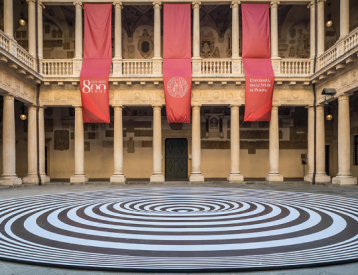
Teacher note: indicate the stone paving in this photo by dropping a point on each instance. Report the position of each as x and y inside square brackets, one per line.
[10, 268]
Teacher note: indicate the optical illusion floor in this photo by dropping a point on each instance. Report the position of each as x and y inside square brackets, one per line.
[174, 228]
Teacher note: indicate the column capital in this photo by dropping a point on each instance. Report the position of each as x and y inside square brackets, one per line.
[9, 97]
[196, 5]
[235, 4]
[117, 107]
[157, 5]
[31, 106]
[78, 5]
[319, 1]
[274, 4]
[30, 2]
[311, 5]
[118, 5]
[196, 107]
[41, 5]
[156, 106]
[234, 106]
[343, 97]
[77, 107]
[274, 107]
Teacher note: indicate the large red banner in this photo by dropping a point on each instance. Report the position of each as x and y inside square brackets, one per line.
[96, 63]
[177, 61]
[256, 54]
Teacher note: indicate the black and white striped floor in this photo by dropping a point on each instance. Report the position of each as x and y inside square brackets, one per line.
[180, 229]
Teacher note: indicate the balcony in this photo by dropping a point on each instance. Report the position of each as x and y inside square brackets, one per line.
[285, 68]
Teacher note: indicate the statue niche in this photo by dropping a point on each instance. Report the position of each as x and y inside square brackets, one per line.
[145, 44]
[207, 45]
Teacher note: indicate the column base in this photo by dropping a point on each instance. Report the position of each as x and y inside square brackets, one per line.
[235, 177]
[33, 178]
[308, 177]
[118, 179]
[78, 179]
[322, 178]
[10, 180]
[344, 180]
[274, 178]
[196, 178]
[157, 178]
[44, 178]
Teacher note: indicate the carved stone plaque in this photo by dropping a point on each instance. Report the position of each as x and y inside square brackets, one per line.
[62, 140]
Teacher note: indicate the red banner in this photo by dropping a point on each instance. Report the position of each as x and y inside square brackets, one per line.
[96, 63]
[256, 54]
[177, 61]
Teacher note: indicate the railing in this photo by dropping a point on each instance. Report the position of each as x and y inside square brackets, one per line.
[351, 40]
[4, 41]
[24, 56]
[133, 67]
[328, 57]
[220, 67]
[56, 67]
[296, 67]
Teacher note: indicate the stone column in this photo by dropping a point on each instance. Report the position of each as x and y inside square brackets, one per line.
[344, 176]
[118, 176]
[40, 28]
[9, 176]
[235, 29]
[78, 31]
[32, 176]
[274, 148]
[310, 143]
[321, 175]
[235, 175]
[9, 18]
[79, 175]
[196, 59]
[320, 27]
[196, 175]
[311, 6]
[32, 27]
[274, 29]
[118, 30]
[344, 15]
[157, 58]
[157, 176]
[42, 145]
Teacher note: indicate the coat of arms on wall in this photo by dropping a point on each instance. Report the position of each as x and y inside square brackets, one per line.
[145, 44]
[62, 140]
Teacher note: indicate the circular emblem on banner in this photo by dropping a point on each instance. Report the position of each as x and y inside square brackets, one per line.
[177, 87]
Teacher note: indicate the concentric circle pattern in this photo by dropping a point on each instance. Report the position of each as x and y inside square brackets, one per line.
[180, 229]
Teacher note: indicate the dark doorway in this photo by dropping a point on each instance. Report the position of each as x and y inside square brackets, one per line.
[176, 158]
[327, 159]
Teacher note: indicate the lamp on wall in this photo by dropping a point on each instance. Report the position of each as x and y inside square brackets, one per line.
[329, 23]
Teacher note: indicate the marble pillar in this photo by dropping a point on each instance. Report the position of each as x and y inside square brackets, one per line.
[321, 175]
[235, 29]
[196, 30]
[9, 176]
[118, 176]
[196, 175]
[157, 176]
[235, 175]
[32, 27]
[344, 18]
[118, 30]
[79, 175]
[274, 148]
[311, 6]
[42, 145]
[320, 27]
[40, 8]
[274, 29]
[344, 176]
[9, 18]
[78, 31]
[32, 176]
[157, 57]
[310, 145]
